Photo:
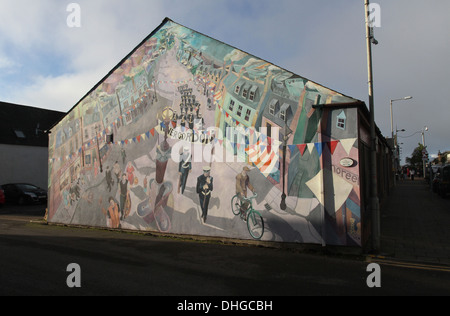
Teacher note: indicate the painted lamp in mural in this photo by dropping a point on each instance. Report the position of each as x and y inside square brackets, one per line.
[152, 209]
[163, 151]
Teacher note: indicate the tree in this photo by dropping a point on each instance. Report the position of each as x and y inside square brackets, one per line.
[416, 157]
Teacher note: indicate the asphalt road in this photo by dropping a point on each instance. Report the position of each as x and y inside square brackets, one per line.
[35, 257]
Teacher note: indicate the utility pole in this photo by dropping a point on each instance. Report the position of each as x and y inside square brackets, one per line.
[374, 203]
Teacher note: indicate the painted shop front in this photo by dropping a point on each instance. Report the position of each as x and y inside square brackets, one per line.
[188, 135]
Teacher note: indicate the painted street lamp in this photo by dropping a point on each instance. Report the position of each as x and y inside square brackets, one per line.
[286, 132]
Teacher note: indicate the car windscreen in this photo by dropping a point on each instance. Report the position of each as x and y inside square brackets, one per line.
[26, 187]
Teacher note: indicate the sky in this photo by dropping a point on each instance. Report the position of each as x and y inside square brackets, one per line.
[47, 64]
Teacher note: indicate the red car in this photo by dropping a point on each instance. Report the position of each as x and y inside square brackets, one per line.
[2, 197]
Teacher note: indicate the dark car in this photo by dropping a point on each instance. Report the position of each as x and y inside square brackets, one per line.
[2, 197]
[444, 183]
[436, 179]
[23, 193]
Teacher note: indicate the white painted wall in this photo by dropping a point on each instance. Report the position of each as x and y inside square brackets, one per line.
[25, 164]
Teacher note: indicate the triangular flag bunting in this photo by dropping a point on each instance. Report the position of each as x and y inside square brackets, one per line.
[348, 144]
[152, 131]
[301, 148]
[319, 148]
[292, 148]
[332, 145]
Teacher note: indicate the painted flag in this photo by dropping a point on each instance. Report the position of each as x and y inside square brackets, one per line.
[332, 145]
[301, 148]
[264, 160]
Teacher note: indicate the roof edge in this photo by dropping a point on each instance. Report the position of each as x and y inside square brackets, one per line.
[165, 20]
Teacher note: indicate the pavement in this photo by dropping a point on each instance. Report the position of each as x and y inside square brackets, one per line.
[415, 224]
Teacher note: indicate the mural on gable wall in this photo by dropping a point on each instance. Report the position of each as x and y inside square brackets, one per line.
[185, 124]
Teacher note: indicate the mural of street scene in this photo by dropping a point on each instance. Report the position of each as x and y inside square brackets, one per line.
[191, 136]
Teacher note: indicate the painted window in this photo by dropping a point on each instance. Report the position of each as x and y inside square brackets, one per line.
[245, 93]
[253, 93]
[341, 120]
[231, 106]
[247, 115]
[239, 111]
[273, 106]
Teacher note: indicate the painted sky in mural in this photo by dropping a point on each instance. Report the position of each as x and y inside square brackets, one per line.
[185, 124]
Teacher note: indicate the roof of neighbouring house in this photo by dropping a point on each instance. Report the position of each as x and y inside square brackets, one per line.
[26, 125]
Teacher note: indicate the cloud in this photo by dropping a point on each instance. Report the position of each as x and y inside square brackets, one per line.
[61, 64]
[7, 64]
[58, 93]
[52, 66]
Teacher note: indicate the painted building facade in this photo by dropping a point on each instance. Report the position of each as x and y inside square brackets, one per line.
[185, 123]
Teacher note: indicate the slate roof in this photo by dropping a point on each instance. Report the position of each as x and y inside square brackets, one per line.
[26, 125]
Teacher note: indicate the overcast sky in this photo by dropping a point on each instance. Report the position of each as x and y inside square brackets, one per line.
[44, 63]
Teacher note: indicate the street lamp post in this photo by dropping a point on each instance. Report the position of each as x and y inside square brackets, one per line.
[374, 203]
[396, 153]
[392, 116]
[425, 129]
[392, 135]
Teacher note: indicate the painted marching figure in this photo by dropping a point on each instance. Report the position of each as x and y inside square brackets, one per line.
[204, 189]
[184, 168]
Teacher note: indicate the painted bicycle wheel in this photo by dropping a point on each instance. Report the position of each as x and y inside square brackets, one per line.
[162, 219]
[255, 224]
[236, 205]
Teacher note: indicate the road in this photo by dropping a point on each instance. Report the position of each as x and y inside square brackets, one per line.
[35, 257]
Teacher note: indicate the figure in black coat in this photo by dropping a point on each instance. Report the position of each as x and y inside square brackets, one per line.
[204, 189]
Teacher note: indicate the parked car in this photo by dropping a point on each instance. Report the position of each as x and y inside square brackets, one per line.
[23, 193]
[444, 183]
[436, 179]
[2, 197]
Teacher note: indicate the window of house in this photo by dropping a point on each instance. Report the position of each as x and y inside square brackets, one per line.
[245, 93]
[341, 120]
[19, 133]
[247, 115]
[253, 93]
[239, 111]
[237, 89]
[231, 107]
[273, 107]
[283, 115]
